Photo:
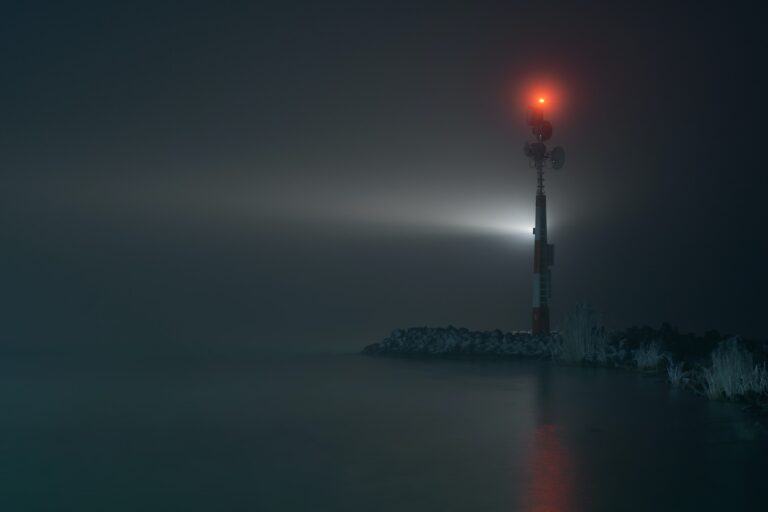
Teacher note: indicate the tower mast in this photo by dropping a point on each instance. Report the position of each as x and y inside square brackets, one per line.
[543, 252]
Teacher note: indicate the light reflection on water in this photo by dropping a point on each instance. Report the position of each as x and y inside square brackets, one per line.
[349, 433]
[551, 486]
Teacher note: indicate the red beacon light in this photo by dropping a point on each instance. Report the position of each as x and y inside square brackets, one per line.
[535, 113]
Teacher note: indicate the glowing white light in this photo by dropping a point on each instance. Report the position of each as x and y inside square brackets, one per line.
[511, 228]
[520, 229]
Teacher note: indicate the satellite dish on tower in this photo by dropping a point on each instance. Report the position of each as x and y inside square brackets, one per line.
[557, 157]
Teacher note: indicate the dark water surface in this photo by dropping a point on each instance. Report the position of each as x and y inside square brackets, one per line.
[350, 433]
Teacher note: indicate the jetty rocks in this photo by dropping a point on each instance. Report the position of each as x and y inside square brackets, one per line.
[448, 341]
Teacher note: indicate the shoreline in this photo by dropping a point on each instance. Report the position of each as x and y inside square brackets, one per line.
[717, 367]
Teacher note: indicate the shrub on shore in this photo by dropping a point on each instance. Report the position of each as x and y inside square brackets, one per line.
[676, 375]
[733, 373]
[648, 356]
[584, 337]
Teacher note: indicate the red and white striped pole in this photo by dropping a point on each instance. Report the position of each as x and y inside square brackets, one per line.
[541, 262]
[543, 252]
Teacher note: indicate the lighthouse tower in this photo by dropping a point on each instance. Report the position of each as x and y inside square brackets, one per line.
[543, 251]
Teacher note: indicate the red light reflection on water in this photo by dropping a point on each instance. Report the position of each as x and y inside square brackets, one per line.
[551, 487]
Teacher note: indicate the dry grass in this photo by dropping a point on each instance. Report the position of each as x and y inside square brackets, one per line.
[733, 373]
[676, 375]
[648, 357]
[584, 337]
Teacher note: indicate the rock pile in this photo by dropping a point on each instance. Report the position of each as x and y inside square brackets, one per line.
[439, 341]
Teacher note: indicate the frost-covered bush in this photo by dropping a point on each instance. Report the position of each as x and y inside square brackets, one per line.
[676, 375]
[733, 374]
[648, 356]
[584, 337]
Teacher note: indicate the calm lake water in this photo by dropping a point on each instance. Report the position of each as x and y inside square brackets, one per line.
[350, 433]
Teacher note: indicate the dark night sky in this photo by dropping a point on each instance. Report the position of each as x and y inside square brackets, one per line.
[311, 175]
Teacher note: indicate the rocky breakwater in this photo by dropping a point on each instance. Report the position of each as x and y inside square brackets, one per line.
[452, 341]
